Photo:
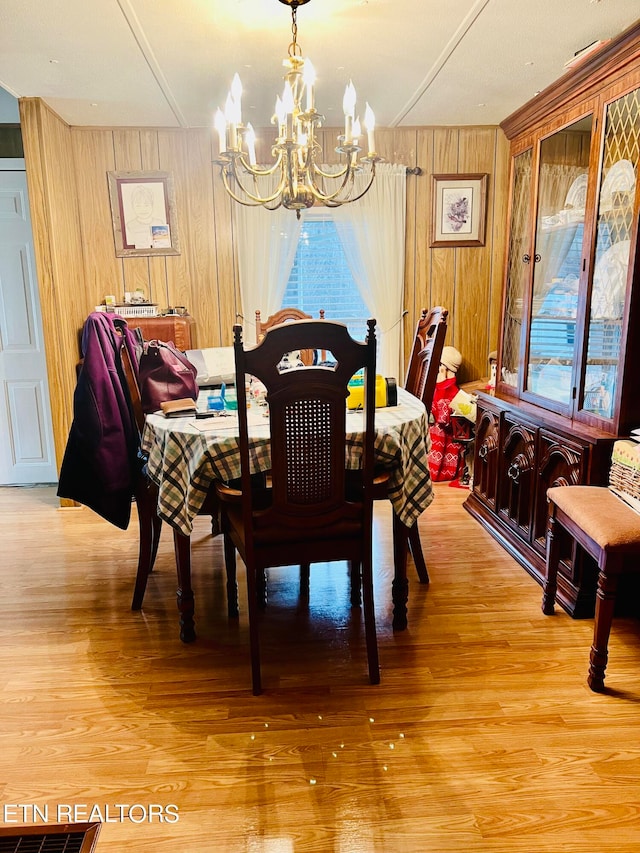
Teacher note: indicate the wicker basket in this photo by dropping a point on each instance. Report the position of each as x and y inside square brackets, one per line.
[133, 310]
[624, 473]
[624, 478]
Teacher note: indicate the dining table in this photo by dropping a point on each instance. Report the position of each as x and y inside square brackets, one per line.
[186, 455]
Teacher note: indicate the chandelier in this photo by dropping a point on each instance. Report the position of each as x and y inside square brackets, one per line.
[297, 178]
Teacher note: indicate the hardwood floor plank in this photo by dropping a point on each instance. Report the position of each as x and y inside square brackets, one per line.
[482, 736]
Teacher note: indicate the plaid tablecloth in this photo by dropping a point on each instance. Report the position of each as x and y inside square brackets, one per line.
[186, 455]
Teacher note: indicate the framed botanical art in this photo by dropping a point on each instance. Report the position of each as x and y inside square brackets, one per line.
[459, 212]
[143, 211]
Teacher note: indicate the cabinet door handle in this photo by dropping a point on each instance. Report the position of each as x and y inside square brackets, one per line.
[526, 259]
[521, 464]
[488, 446]
[537, 258]
[513, 472]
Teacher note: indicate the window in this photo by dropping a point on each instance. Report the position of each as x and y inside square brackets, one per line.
[321, 279]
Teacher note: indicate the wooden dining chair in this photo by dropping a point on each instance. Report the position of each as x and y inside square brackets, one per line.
[422, 370]
[145, 492]
[307, 514]
[150, 525]
[286, 315]
[420, 380]
[123, 407]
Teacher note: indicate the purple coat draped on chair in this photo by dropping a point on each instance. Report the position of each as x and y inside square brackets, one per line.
[98, 468]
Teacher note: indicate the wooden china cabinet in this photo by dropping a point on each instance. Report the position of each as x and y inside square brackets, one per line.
[568, 373]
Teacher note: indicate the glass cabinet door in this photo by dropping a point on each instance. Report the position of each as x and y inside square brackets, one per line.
[613, 242]
[557, 263]
[517, 271]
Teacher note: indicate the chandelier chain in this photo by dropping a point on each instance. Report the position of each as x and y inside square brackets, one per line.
[294, 47]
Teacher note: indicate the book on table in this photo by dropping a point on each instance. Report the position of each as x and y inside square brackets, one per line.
[183, 408]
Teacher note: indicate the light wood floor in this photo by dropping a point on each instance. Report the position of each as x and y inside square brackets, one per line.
[482, 736]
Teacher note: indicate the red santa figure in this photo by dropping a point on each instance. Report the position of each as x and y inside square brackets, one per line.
[446, 454]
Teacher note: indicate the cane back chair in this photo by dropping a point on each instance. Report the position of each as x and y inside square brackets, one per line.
[307, 514]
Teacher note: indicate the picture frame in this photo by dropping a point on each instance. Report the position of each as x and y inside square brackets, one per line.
[143, 211]
[459, 210]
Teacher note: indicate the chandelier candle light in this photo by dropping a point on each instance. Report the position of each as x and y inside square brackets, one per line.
[301, 180]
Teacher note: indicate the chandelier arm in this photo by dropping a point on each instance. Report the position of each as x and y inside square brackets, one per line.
[265, 199]
[327, 197]
[256, 200]
[253, 170]
[255, 196]
[356, 197]
[318, 171]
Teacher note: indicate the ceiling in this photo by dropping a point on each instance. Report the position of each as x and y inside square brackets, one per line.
[169, 63]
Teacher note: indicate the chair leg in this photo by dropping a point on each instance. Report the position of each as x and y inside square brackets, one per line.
[182, 548]
[400, 585]
[261, 589]
[157, 529]
[149, 525]
[305, 576]
[605, 601]
[232, 583]
[355, 573]
[553, 557]
[370, 621]
[415, 546]
[254, 637]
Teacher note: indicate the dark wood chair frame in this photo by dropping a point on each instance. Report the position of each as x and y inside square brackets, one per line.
[150, 526]
[287, 315]
[420, 380]
[307, 514]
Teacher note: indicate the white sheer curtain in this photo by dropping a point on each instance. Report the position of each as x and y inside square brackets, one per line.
[372, 231]
[266, 241]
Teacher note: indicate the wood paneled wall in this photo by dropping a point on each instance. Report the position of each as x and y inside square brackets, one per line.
[67, 175]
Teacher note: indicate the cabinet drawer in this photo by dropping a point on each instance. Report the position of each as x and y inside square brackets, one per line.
[485, 463]
[516, 475]
[559, 462]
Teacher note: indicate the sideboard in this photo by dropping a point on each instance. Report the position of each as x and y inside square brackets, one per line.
[181, 329]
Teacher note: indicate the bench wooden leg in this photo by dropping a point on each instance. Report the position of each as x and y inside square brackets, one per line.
[605, 602]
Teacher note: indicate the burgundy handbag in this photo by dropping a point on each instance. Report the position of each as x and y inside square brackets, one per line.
[165, 374]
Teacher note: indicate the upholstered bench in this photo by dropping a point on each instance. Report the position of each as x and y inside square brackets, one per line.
[609, 530]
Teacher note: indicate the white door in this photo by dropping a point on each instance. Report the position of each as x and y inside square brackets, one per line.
[26, 435]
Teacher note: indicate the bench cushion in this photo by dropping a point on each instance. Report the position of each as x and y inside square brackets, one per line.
[603, 516]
